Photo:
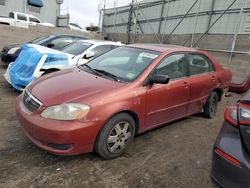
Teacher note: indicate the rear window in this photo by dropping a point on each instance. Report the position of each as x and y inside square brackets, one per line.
[11, 15]
[76, 48]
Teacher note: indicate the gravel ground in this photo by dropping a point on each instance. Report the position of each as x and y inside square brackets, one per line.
[175, 155]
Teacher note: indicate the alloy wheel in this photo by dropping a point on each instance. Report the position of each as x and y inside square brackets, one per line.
[119, 137]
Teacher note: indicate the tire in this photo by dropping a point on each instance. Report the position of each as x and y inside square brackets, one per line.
[210, 108]
[115, 137]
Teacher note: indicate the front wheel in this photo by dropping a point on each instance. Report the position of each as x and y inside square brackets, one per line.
[115, 137]
[210, 108]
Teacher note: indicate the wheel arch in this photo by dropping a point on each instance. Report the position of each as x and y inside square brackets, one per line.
[133, 115]
[219, 93]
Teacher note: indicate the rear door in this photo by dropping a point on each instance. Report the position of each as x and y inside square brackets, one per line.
[167, 102]
[22, 20]
[202, 79]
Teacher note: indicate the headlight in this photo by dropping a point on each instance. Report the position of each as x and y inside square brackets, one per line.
[13, 50]
[67, 111]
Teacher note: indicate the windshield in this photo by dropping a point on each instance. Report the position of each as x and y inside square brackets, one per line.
[124, 63]
[76, 48]
[40, 40]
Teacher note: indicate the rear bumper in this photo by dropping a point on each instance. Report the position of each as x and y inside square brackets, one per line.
[224, 173]
[58, 137]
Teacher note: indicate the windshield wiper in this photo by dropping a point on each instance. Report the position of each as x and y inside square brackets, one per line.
[107, 74]
[91, 70]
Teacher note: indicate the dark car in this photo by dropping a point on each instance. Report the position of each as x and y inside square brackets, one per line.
[129, 90]
[231, 153]
[11, 52]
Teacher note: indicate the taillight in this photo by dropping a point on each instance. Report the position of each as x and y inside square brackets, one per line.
[227, 157]
[231, 115]
[244, 114]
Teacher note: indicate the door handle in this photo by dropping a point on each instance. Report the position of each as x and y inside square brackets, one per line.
[185, 84]
[213, 78]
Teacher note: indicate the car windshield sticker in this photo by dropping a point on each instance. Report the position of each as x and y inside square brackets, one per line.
[130, 75]
[148, 55]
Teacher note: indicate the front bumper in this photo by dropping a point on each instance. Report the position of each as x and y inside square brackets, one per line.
[58, 137]
[224, 173]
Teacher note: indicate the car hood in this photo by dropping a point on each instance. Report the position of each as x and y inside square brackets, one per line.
[72, 85]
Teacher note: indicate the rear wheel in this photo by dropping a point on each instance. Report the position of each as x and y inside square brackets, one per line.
[115, 136]
[210, 108]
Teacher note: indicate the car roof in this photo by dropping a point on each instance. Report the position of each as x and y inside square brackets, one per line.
[100, 42]
[161, 47]
[69, 35]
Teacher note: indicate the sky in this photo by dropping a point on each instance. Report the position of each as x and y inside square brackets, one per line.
[85, 12]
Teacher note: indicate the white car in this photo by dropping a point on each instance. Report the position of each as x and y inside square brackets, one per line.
[35, 60]
[19, 19]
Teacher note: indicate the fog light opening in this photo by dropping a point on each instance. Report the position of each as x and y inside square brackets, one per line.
[60, 146]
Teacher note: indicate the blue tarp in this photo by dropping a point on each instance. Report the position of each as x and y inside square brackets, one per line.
[21, 71]
[36, 3]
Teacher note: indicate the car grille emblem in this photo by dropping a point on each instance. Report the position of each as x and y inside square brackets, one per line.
[28, 99]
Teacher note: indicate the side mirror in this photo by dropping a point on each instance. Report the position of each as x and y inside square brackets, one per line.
[158, 79]
[88, 55]
[50, 45]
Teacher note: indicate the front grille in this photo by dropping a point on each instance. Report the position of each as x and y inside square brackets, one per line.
[30, 102]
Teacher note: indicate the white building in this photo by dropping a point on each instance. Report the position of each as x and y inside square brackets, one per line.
[45, 10]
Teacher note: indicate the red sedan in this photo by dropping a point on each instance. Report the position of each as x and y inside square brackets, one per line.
[102, 105]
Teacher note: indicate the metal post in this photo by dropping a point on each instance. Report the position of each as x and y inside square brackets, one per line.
[138, 22]
[236, 31]
[165, 22]
[129, 35]
[215, 22]
[24, 6]
[99, 10]
[196, 21]
[162, 8]
[130, 21]
[180, 21]
[115, 6]
[210, 14]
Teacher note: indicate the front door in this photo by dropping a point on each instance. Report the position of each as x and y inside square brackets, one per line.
[167, 102]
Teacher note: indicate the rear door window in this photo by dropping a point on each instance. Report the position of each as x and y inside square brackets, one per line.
[199, 64]
[21, 17]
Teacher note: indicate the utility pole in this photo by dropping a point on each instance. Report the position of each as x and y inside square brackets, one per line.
[130, 16]
[24, 6]
[103, 13]
[99, 10]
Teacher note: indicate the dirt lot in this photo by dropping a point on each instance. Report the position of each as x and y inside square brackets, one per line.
[176, 155]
